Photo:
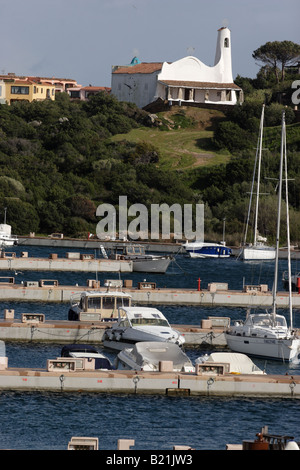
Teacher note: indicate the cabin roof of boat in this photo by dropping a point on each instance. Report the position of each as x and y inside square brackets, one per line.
[105, 294]
[142, 311]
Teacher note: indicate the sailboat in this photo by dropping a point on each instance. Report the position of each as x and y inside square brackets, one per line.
[267, 334]
[258, 250]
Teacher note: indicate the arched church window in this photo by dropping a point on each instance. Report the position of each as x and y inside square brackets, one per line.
[226, 42]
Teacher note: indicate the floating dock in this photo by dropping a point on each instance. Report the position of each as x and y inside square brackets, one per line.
[74, 262]
[62, 377]
[32, 330]
[58, 240]
[48, 290]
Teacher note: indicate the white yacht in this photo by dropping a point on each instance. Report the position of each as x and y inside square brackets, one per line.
[137, 324]
[267, 334]
[264, 335]
[147, 356]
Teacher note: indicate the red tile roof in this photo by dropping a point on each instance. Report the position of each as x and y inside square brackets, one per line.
[178, 83]
[94, 88]
[144, 67]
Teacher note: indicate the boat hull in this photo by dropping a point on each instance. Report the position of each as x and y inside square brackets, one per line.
[5, 242]
[120, 338]
[158, 266]
[207, 250]
[271, 348]
[251, 253]
[195, 254]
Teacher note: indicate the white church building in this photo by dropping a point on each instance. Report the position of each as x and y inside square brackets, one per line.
[185, 81]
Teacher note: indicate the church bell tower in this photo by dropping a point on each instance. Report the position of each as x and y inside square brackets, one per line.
[223, 55]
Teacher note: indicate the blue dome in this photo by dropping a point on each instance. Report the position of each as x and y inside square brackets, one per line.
[135, 61]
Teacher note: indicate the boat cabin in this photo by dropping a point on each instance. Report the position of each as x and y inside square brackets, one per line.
[266, 320]
[132, 251]
[89, 352]
[97, 306]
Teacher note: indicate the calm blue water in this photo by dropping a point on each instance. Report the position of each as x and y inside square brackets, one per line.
[47, 421]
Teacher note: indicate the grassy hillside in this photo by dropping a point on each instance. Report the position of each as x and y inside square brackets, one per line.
[184, 138]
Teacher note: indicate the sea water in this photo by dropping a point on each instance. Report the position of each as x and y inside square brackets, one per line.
[47, 421]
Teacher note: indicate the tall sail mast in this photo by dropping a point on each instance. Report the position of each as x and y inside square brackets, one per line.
[258, 171]
[278, 216]
[288, 230]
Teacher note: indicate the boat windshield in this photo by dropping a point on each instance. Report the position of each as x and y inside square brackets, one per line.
[108, 302]
[149, 321]
[94, 302]
[135, 250]
[123, 302]
[266, 320]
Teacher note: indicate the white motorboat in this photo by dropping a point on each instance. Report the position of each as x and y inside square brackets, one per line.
[198, 249]
[267, 334]
[89, 352]
[137, 324]
[6, 238]
[97, 305]
[141, 261]
[148, 355]
[259, 250]
[237, 363]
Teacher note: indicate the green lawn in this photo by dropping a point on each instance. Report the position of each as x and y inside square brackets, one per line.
[180, 148]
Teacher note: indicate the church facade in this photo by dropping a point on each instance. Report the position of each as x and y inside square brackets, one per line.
[185, 81]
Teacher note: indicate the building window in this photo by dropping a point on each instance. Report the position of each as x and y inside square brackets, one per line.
[226, 42]
[20, 90]
[74, 94]
[34, 89]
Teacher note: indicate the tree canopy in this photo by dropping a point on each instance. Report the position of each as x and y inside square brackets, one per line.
[278, 53]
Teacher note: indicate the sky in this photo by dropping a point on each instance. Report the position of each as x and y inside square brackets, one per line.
[83, 39]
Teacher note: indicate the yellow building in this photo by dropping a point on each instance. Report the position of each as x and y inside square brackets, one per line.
[17, 89]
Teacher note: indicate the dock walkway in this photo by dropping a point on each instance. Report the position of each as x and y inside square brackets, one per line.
[138, 382]
[87, 263]
[50, 291]
[85, 332]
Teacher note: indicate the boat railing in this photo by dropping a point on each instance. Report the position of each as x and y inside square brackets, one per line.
[285, 275]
